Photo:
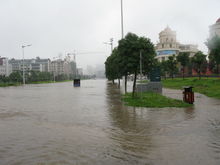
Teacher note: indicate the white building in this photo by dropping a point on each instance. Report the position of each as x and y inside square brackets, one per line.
[215, 29]
[5, 67]
[41, 65]
[168, 45]
[57, 67]
[66, 66]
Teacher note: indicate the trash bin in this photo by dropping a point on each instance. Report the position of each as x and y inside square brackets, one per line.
[76, 82]
[188, 94]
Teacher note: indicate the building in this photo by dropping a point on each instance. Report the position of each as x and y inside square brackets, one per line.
[168, 45]
[66, 66]
[41, 65]
[5, 67]
[214, 30]
[57, 67]
[79, 71]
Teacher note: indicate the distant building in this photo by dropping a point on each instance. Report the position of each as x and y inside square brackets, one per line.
[66, 66]
[5, 67]
[169, 46]
[80, 71]
[214, 30]
[41, 65]
[57, 67]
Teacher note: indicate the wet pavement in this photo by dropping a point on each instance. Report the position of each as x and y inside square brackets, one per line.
[50, 124]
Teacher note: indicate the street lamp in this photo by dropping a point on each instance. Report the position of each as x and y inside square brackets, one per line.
[122, 20]
[23, 46]
[110, 43]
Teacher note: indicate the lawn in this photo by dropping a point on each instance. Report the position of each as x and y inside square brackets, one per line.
[9, 84]
[207, 86]
[152, 100]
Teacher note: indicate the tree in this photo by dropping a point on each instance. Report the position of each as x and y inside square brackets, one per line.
[111, 66]
[172, 65]
[15, 76]
[129, 50]
[164, 68]
[183, 59]
[199, 63]
[214, 48]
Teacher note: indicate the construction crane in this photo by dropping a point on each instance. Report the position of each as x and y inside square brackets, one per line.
[82, 53]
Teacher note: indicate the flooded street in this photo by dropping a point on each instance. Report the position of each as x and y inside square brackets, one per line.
[54, 124]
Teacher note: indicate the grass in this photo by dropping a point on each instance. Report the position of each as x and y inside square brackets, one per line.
[37, 82]
[9, 84]
[152, 100]
[207, 86]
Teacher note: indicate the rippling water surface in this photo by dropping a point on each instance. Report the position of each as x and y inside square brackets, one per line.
[51, 124]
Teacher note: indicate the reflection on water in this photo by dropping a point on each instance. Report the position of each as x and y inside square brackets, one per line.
[58, 124]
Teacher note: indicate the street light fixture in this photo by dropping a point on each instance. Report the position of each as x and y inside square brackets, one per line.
[23, 46]
[110, 43]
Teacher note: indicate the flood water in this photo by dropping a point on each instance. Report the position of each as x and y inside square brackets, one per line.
[57, 124]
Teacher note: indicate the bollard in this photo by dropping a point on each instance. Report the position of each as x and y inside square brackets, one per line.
[188, 95]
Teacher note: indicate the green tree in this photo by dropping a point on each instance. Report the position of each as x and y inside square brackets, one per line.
[111, 67]
[183, 59]
[199, 63]
[129, 52]
[15, 77]
[172, 65]
[214, 48]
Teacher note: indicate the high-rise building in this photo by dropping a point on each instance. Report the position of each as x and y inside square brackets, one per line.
[168, 45]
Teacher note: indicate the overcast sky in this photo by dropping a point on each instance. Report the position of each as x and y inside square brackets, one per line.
[62, 26]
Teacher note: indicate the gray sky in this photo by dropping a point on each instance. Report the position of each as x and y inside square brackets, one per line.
[62, 26]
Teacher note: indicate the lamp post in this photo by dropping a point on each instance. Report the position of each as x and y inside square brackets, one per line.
[23, 46]
[110, 43]
[122, 20]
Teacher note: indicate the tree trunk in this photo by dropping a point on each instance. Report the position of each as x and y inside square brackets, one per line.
[218, 69]
[200, 73]
[183, 72]
[134, 84]
[119, 83]
[113, 81]
[125, 83]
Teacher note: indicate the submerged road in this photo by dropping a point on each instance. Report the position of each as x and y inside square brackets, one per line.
[54, 124]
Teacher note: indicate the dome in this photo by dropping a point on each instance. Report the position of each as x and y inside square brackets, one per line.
[167, 29]
[218, 20]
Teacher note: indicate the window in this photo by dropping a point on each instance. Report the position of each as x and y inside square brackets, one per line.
[170, 45]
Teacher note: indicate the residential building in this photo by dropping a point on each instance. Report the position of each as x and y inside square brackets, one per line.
[168, 45]
[41, 65]
[214, 29]
[57, 67]
[5, 67]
